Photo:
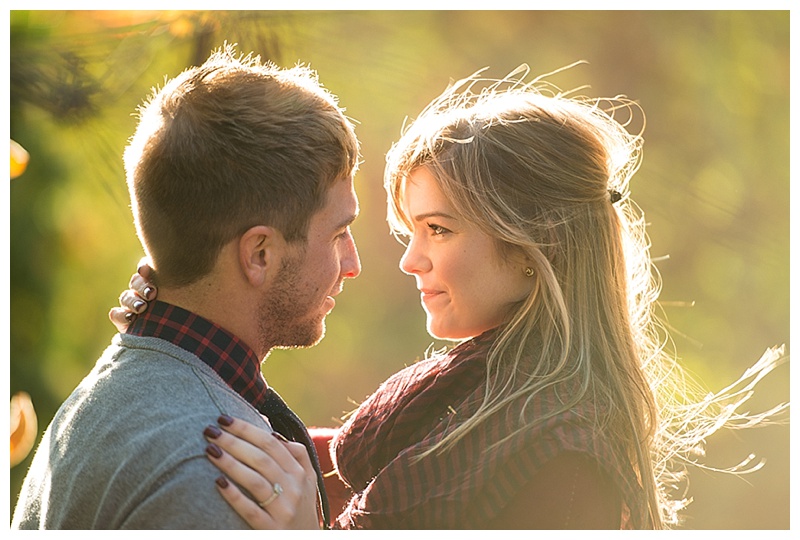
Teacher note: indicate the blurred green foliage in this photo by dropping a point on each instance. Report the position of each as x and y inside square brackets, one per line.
[714, 184]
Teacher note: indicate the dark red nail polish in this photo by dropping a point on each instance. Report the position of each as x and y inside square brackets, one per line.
[212, 432]
[213, 450]
[130, 316]
[222, 482]
[225, 420]
[148, 292]
[279, 436]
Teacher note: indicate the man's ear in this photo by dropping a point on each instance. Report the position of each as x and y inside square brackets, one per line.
[260, 252]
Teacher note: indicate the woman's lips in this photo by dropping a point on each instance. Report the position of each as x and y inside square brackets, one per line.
[429, 295]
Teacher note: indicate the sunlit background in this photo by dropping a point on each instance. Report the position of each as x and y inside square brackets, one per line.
[714, 185]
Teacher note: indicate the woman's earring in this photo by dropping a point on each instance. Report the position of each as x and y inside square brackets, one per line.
[529, 271]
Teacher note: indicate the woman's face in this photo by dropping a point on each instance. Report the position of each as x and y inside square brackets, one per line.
[465, 287]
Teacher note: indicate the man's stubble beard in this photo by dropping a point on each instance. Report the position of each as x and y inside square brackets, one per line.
[284, 316]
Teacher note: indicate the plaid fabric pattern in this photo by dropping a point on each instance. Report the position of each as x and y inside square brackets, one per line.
[377, 451]
[235, 363]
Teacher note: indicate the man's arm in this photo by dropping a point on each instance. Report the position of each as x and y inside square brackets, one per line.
[185, 499]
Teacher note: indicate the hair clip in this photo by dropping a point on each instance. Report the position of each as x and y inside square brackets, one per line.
[614, 195]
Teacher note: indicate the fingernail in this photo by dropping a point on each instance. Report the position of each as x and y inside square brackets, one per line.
[130, 316]
[148, 291]
[224, 420]
[213, 450]
[138, 304]
[212, 432]
[222, 482]
[279, 436]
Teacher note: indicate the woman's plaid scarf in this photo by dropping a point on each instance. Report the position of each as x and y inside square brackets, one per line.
[468, 485]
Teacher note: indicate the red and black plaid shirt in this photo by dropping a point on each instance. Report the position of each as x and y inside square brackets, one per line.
[379, 452]
[233, 360]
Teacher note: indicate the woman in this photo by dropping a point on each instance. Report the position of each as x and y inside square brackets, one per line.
[557, 409]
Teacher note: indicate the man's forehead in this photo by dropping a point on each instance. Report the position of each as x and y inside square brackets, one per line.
[341, 206]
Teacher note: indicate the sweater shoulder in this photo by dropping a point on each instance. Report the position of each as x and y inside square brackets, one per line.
[130, 438]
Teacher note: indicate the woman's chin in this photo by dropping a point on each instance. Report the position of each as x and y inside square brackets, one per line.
[447, 333]
[434, 331]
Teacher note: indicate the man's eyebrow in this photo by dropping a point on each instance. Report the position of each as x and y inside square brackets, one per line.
[347, 222]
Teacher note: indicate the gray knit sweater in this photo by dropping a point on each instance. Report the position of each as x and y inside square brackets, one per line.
[126, 449]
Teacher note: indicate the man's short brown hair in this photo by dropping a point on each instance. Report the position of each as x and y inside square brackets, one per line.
[228, 145]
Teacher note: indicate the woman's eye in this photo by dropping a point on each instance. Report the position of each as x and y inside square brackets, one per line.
[437, 229]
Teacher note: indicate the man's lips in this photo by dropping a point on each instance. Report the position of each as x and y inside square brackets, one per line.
[330, 298]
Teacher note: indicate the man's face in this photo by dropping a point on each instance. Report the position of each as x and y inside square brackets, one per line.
[293, 309]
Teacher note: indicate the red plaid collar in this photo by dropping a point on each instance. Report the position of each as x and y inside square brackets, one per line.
[225, 353]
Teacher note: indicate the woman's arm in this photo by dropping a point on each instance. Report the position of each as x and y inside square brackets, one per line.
[277, 474]
[338, 492]
[133, 301]
[569, 492]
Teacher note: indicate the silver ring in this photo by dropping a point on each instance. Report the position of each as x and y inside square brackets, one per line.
[276, 492]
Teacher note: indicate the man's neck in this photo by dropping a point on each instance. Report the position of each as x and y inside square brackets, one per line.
[224, 352]
[221, 307]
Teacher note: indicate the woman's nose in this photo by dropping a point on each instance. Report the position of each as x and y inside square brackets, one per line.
[414, 260]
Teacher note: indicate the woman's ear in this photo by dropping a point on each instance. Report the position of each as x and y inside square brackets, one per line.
[260, 252]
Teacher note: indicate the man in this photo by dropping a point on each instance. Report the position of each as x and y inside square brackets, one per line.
[241, 183]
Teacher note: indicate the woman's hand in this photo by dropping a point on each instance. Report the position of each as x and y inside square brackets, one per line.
[134, 300]
[276, 473]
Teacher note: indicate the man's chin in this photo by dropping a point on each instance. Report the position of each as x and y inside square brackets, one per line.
[304, 338]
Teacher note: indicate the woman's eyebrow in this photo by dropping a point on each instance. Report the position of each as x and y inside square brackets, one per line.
[427, 215]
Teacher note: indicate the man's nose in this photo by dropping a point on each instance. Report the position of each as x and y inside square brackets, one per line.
[351, 264]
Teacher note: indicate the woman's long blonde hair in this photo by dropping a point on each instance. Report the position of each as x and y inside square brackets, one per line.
[541, 171]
